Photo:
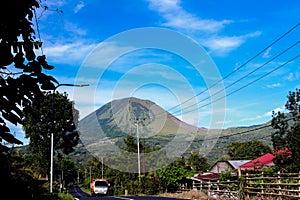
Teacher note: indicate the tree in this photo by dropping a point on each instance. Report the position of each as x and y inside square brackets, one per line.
[170, 176]
[247, 150]
[287, 129]
[197, 163]
[21, 80]
[68, 171]
[21, 71]
[41, 119]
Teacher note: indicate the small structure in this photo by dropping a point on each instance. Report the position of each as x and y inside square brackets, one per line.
[233, 165]
[259, 163]
[207, 176]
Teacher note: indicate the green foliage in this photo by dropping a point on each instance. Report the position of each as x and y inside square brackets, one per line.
[270, 170]
[50, 114]
[67, 170]
[21, 81]
[151, 182]
[18, 42]
[225, 175]
[17, 179]
[247, 150]
[286, 134]
[241, 188]
[64, 196]
[197, 163]
[171, 176]
[57, 196]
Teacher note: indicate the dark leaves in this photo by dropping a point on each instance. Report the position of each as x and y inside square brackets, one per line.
[8, 137]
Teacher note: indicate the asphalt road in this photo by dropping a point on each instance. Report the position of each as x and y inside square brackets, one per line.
[78, 194]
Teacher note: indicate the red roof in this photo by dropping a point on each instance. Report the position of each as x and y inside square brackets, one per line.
[260, 162]
[208, 176]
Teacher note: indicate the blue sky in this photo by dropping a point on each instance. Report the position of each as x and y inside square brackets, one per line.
[83, 43]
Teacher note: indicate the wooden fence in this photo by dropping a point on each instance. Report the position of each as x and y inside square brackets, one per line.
[282, 185]
[217, 189]
[275, 186]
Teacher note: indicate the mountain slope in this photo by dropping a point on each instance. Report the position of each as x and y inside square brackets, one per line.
[111, 123]
[119, 117]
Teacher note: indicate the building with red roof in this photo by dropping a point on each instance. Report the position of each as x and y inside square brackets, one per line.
[259, 163]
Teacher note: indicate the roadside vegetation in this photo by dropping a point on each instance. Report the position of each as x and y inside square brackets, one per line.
[27, 100]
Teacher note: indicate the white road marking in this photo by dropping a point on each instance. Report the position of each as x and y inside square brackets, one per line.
[123, 198]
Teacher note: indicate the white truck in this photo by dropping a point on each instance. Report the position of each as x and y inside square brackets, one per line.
[99, 187]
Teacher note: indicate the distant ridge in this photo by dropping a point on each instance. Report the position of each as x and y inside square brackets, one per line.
[112, 122]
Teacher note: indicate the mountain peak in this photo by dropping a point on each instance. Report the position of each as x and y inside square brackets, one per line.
[118, 117]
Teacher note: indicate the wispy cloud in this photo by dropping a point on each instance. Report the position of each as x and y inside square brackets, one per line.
[74, 29]
[292, 76]
[224, 44]
[79, 6]
[267, 53]
[265, 115]
[63, 53]
[274, 85]
[175, 16]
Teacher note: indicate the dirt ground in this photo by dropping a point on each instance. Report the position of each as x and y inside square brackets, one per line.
[197, 195]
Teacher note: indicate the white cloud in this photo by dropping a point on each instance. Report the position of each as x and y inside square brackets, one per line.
[274, 85]
[68, 53]
[165, 5]
[74, 29]
[224, 44]
[267, 53]
[265, 115]
[79, 6]
[177, 17]
[276, 110]
[292, 76]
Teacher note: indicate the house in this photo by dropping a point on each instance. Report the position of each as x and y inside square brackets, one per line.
[221, 166]
[259, 163]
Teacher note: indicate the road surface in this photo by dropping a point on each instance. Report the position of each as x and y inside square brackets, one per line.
[78, 194]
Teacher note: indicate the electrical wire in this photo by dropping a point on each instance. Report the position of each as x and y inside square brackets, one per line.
[243, 132]
[278, 55]
[248, 84]
[241, 66]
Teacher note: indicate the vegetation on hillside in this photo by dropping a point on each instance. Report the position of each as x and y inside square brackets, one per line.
[286, 134]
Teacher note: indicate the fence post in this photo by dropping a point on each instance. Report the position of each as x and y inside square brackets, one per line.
[299, 185]
[279, 181]
[193, 185]
[201, 182]
[208, 189]
[262, 181]
[247, 184]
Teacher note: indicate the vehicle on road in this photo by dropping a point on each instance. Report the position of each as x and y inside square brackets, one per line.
[99, 187]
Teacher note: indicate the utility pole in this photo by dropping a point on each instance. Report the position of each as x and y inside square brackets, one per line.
[78, 177]
[90, 173]
[52, 134]
[137, 121]
[102, 166]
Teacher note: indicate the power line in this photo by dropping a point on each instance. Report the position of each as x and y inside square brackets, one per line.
[246, 131]
[244, 64]
[243, 77]
[248, 84]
